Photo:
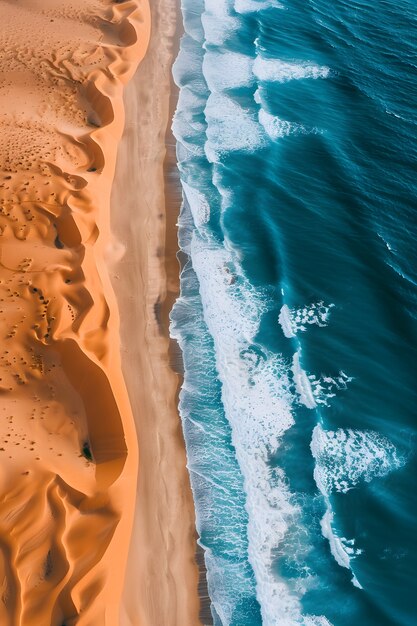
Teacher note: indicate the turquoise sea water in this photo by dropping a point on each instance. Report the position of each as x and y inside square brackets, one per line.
[296, 130]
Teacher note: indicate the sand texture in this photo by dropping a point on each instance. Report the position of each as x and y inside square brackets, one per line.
[162, 576]
[68, 449]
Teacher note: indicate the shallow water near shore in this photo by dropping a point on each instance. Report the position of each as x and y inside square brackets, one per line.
[297, 313]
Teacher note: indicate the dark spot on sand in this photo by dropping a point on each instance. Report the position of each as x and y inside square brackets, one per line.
[48, 565]
[93, 122]
[87, 451]
[58, 243]
[157, 309]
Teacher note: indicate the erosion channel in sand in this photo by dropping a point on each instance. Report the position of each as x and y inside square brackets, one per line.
[68, 450]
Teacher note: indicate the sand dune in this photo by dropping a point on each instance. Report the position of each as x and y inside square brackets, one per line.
[68, 447]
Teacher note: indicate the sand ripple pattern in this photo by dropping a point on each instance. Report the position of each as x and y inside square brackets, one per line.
[68, 452]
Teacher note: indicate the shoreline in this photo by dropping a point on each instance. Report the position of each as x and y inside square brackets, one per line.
[173, 193]
[163, 580]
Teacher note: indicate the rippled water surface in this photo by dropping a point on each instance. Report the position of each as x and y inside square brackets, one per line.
[296, 129]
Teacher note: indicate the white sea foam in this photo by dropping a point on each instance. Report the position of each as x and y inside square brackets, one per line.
[275, 127]
[256, 398]
[314, 391]
[295, 320]
[217, 31]
[253, 6]
[389, 246]
[230, 127]
[186, 70]
[286, 322]
[227, 70]
[275, 70]
[346, 457]
[337, 546]
[341, 548]
[198, 204]
[257, 96]
[224, 590]
[219, 8]
[316, 620]
[218, 22]
[186, 124]
[302, 383]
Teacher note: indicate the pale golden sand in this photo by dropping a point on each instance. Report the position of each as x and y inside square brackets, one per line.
[162, 576]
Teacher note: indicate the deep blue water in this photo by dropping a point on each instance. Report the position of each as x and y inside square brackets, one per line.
[296, 129]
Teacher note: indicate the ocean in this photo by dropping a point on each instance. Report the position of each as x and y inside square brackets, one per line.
[296, 135]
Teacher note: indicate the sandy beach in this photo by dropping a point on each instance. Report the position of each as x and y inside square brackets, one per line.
[69, 450]
[162, 575]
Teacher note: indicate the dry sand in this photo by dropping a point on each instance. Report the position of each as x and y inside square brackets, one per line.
[68, 450]
[162, 575]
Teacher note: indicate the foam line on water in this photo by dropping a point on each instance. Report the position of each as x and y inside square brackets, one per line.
[227, 70]
[230, 127]
[199, 205]
[302, 383]
[294, 320]
[313, 620]
[219, 8]
[255, 394]
[316, 390]
[215, 477]
[253, 6]
[346, 457]
[216, 480]
[341, 549]
[219, 22]
[188, 124]
[276, 70]
[275, 127]
[186, 69]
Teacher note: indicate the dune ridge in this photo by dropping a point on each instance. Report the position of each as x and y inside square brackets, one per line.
[68, 449]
